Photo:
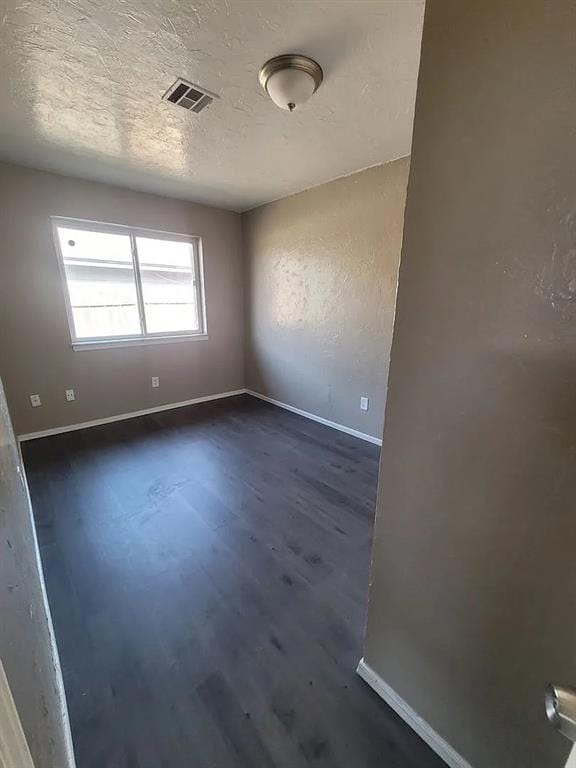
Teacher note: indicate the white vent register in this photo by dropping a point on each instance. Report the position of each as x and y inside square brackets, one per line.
[192, 97]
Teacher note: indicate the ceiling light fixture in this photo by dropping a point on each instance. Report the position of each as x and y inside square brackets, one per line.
[290, 80]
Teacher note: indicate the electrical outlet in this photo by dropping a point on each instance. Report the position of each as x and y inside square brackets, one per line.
[364, 403]
[35, 400]
[70, 395]
[155, 381]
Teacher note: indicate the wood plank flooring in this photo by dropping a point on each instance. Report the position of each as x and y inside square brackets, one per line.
[207, 571]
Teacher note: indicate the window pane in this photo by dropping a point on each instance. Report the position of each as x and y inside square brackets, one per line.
[168, 290]
[101, 283]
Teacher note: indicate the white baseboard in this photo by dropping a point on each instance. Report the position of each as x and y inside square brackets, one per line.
[319, 419]
[194, 401]
[422, 728]
[131, 415]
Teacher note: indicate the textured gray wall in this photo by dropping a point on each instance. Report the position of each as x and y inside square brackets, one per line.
[36, 355]
[26, 639]
[321, 273]
[474, 575]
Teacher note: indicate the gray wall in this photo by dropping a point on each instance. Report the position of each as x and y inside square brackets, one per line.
[474, 574]
[26, 638]
[36, 355]
[321, 274]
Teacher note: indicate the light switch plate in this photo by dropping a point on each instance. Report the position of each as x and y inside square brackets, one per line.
[155, 381]
[364, 403]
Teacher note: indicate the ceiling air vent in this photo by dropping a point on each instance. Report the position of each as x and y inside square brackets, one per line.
[192, 97]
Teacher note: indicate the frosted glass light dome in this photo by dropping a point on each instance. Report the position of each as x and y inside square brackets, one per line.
[290, 88]
[290, 80]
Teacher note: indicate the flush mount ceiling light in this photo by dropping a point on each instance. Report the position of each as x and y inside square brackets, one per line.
[290, 80]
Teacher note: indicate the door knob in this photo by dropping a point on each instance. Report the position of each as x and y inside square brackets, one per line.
[560, 702]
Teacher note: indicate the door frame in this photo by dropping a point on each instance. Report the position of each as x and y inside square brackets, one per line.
[14, 751]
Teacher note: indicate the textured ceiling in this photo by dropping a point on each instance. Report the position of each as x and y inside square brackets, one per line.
[81, 82]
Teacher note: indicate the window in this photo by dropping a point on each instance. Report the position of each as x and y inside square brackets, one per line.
[128, 285]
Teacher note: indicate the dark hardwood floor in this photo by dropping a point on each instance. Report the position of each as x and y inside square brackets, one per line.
[207, 571]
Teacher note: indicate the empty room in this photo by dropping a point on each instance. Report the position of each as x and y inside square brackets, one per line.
[287, 385]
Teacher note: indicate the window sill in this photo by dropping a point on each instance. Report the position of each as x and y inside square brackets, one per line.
[80, 346]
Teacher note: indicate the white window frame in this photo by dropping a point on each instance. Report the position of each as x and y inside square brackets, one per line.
[143, 338]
